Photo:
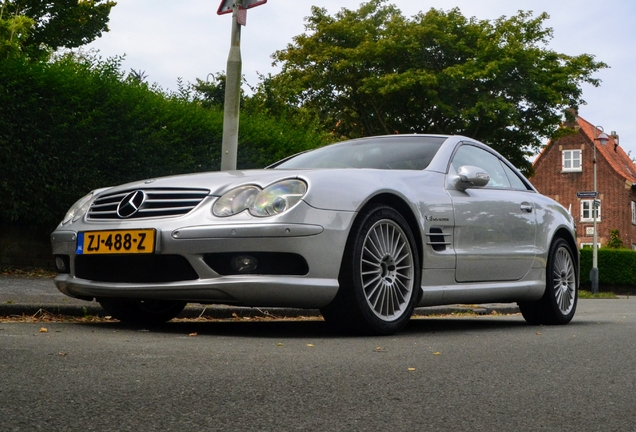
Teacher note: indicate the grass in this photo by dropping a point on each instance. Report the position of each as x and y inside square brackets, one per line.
[27, 272]
[601, 295]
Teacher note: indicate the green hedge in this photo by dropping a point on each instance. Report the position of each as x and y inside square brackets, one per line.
[72, 125]
[616, 267]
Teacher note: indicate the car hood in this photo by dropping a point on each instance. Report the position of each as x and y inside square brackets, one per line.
[217, 182]
[332, 189]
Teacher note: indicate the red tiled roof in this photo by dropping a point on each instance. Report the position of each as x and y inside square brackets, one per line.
[611, 151]
[614, 154]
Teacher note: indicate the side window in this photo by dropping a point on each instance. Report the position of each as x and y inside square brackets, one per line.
[515, 181]
[471, 155]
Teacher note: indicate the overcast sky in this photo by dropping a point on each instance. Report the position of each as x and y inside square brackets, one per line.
[187, 39]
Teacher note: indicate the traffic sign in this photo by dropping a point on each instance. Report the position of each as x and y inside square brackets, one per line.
[227, 6]
[587, 194]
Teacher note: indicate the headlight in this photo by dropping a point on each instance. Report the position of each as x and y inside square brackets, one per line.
[235, 201]
[278, 198]
[78, 209]
[273, 200]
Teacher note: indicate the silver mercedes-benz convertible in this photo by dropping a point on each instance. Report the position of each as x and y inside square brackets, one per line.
[364, 230]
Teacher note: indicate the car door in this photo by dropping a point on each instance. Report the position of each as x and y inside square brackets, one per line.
[495, 225]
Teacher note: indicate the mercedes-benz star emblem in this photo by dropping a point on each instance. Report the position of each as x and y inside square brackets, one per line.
[131, 204]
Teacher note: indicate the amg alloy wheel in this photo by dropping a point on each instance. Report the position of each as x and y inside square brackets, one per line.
[380, 274]
[558, 304]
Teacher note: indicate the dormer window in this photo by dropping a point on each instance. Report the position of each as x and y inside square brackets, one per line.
[571, 161]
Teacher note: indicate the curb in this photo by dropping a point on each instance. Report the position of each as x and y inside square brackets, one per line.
[229, 312]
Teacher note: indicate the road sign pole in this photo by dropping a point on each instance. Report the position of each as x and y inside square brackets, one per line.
[229, 147]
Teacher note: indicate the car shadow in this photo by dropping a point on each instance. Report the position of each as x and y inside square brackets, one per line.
[317, 328]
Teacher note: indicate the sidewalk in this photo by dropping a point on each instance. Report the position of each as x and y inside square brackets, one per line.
[28, 296]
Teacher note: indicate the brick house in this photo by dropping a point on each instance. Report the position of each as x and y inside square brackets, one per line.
[565, 167]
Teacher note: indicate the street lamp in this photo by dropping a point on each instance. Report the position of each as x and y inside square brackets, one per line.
[602, 138]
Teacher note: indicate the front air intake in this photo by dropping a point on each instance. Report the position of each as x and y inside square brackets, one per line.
[134, 268]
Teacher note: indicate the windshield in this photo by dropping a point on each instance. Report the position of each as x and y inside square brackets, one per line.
[397, 153]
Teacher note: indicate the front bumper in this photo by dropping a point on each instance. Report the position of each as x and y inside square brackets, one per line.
[319, 240]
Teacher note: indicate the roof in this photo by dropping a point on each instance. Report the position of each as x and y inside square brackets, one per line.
[611, 152]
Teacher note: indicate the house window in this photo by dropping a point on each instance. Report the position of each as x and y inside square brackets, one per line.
[634, 212]
[590, 245]
[588, 211]
[572, 161]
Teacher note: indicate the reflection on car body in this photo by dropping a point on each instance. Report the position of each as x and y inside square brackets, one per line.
[365, 230]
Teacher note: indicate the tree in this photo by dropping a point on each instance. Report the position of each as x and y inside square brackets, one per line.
[211, 93]
[615, 241]
[60, 23]
[14, 29]
[373, 71]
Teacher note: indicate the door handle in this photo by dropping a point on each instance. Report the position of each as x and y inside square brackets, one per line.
[526, 207]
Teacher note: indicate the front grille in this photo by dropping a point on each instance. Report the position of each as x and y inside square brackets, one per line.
[158, 203]
[134, 268]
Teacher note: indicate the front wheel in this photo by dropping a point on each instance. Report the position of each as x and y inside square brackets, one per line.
[558, 304]
[142, 312]
[379, 276]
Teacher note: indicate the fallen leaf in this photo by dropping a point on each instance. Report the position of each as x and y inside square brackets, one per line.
[310, 345]
[538, 333]
[279, 344]
[194, 334]
[62, 354]
[436, 353]
[411, 369]
[44, 330]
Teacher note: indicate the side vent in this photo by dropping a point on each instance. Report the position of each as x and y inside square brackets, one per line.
[437, 239]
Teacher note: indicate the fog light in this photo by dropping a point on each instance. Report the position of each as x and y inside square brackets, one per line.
[244, 264]
[61, 264]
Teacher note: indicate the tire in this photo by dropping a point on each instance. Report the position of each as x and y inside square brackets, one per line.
[558, 304]
[142, 312]
[379, 276]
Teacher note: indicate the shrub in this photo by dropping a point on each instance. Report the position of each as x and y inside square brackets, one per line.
[615, 266]
[75, 124]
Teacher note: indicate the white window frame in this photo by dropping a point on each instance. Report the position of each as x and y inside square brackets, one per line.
[590, 244]
[587, 211]
[633, 212]
[568, 158]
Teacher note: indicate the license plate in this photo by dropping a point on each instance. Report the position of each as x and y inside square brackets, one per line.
[141, 241]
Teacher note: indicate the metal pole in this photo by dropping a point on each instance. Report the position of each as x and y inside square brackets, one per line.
[594, 271]
[232, 96]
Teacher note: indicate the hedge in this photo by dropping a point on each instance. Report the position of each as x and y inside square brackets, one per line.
[616, 267]
[72, 125]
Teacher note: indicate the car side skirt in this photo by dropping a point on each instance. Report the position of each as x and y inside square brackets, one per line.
[531, 287]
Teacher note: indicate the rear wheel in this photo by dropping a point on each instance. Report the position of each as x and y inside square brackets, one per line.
[142, 312]
[558, 304]
[379, 276]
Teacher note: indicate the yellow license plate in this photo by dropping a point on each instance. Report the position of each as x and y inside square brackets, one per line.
[139, 241]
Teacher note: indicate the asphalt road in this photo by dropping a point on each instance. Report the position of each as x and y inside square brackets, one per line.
[485, 373]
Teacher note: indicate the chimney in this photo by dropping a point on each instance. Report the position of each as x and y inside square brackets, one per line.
[571, 118]
[614, 135]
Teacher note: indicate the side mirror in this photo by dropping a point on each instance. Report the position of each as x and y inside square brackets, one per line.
[469, 176]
